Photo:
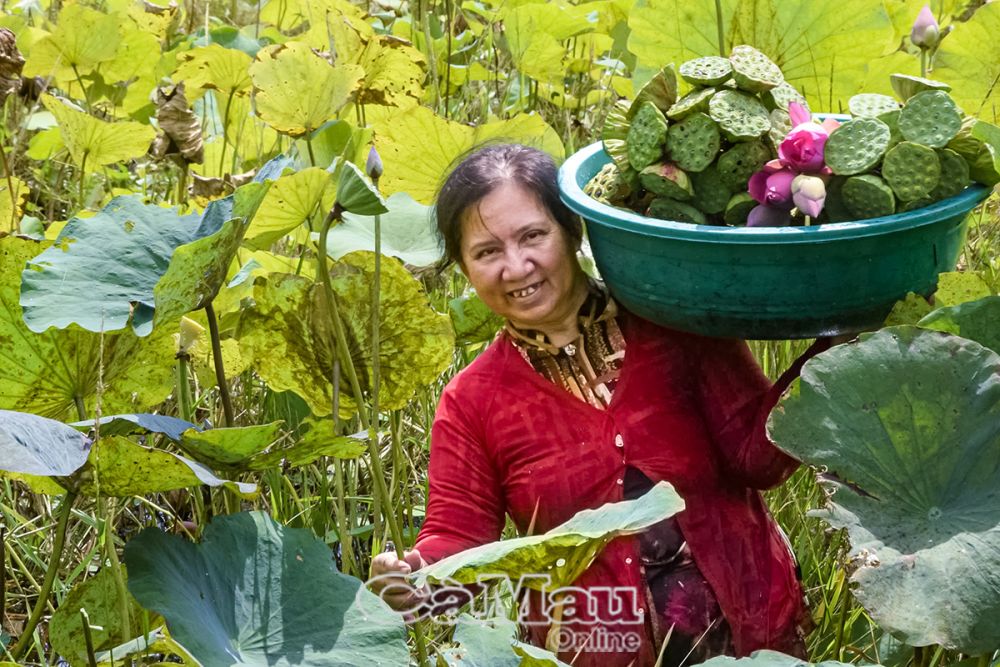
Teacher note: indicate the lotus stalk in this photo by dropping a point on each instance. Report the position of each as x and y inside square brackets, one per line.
[220, 370]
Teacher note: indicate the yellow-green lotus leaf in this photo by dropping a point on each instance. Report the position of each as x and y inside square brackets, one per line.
[534, 32]
[121, 468]
[45, 144]
[229, 446]
[338, 27]
[289, 334]
[253, 140]
[213, 67]
[394, 74]
[44, 373]
[969, 59]
[417, 146]
[297, 90]
[292, 199]
[83, 39]
[136, 57]
[93, 142]
[318, 440]
[12, 203]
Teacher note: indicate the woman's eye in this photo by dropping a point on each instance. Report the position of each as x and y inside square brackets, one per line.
[535, 234]
[485, 252]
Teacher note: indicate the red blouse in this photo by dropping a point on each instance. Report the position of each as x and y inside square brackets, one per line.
[687, 409]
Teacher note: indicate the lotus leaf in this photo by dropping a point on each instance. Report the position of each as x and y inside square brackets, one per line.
[121, 469]
[83, 39]
[132, 61]
[493, 643]
[12, 203]
[406, 232]
[50, 374]
[172, 427]
[768, 659]
[394, 73]
[157, 640]
[297, 90]
[975, 320]
[293, 199]
[955, 287]
[533, 31]
[213, 67]
[335, 138]
[316, 442]
[970, 61]
[35, 445]
[356, 193]
[256, 593]
[99, 596]
[93, 142]
[417, 147]
[906, 424]
[564, 552]
[474, 322]
[229, 446]
[908, 310]
[289, 334]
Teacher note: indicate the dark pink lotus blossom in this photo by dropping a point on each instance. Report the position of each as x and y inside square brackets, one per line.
[772, 185]
[768, 216]
[926, 32]
[802, 149]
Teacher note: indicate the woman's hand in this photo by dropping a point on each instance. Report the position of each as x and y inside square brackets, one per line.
[388, 580]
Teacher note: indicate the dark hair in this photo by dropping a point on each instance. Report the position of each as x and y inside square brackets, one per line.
[488, 167]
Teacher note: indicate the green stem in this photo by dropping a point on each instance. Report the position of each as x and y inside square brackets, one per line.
[842, 621]
[225, 133]
[81, 409]
[83, 176]
[984, 660]
[182, 185]
[88, 639]
[720, 28]
[220, 369]
[431, 58]
[309, 147]
[116, 570]
[50, 577]
[346, 546]
[10, 188]
[923, 62]
[183, 386]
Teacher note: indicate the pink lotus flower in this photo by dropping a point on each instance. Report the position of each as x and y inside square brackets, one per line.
[926, 32]
[768, 216]
[809, 194]
[772, 185]
[802, 149]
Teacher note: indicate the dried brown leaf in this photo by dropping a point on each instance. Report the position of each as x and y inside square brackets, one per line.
[179, 124]
[11, 64]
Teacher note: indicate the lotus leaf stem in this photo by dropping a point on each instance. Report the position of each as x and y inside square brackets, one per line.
[88, 638]
[183, 386]
[720, 28]
[50, 576]
[220, 369]
[10, 188]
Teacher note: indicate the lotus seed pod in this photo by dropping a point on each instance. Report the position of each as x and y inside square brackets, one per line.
[982, 158]
[738, 208]
[954, 175]
[693, 143]
[930, 118]
[834, 208]
[646, 136]
[661, 90]
[711, 194]
[781, 125]
[667, 180]
[739, 163]
[781, 96]
[915, 204]
[696, 100]
[707, 71]
[907, 86]
[608, 185]
[753, 71]
[867, 196]
[615, 132]
[892, 120]
[911, 170]
[664, 208]
[856, 146]
[871, 105]
[741, 117]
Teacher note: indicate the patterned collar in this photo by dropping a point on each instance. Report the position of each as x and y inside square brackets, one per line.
[599, 306]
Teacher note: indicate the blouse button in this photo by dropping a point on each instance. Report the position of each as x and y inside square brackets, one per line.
[619, 442]
[620, 481]
[628, 561]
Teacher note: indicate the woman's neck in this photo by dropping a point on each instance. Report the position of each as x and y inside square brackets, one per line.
[567, 330]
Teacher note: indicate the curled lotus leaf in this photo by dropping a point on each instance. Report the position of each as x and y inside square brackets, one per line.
[256, 593]
[356, 192]
[906, 426]
[406, 232]
[292, 199]
[562, 553]
[976, 320]
[492, 642]
[93, 142]
[54, 372]
[35, 445]
[144, 423]
[394, 73]
[213, 67]
[83, 39]
[229, 446]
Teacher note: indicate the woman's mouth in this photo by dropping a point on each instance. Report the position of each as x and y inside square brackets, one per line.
[525, 291]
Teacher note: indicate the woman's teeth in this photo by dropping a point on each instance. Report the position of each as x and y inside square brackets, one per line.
[527, 291]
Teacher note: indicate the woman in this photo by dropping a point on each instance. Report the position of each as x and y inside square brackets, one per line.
[578, 403]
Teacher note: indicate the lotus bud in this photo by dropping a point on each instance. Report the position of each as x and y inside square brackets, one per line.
[809, 194]
[772, 186]
[798, 114]
[373, 166]
[926, 32]
[768, 216]
[191, 331]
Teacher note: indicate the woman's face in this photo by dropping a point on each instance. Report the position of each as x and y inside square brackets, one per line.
[520, 261]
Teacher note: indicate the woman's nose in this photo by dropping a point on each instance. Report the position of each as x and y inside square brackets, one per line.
[519, 264]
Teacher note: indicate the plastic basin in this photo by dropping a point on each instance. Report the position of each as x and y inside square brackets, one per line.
[766, 283]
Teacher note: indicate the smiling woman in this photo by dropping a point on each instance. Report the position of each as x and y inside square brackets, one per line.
[578, 403]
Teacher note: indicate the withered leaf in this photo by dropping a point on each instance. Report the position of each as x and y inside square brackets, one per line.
[215, 187]
[11, 64]
[179, 124]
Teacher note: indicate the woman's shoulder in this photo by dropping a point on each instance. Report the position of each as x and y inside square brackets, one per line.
[488, 368]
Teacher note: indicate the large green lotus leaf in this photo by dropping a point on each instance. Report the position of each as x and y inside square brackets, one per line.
[46, 373]
[975, 320]
[102, 265]
[213, 67]
[83, 38]
[121, 469]
[132, 60]
[93, 142]
[416, 342]
[356, 193]
[229, 446]
[297, 90]
[316, 442]
[969, 59]
[768, 658]
[906, 426]
[394, 73]
[493, 642]
[673, 31]
[533, 33]
[198, 269]
[474, 322]
[406, 232]
[418, 147]
[259, 594]
[909, 310]
[562, 553]
[99, 596]
[292, 200]
[955, 287]
[172, 427]
[35, 445]
[289, 334]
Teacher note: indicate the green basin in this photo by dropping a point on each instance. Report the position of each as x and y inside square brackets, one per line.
[766, 283]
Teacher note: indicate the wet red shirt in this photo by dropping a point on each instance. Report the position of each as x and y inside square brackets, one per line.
[687, 409]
